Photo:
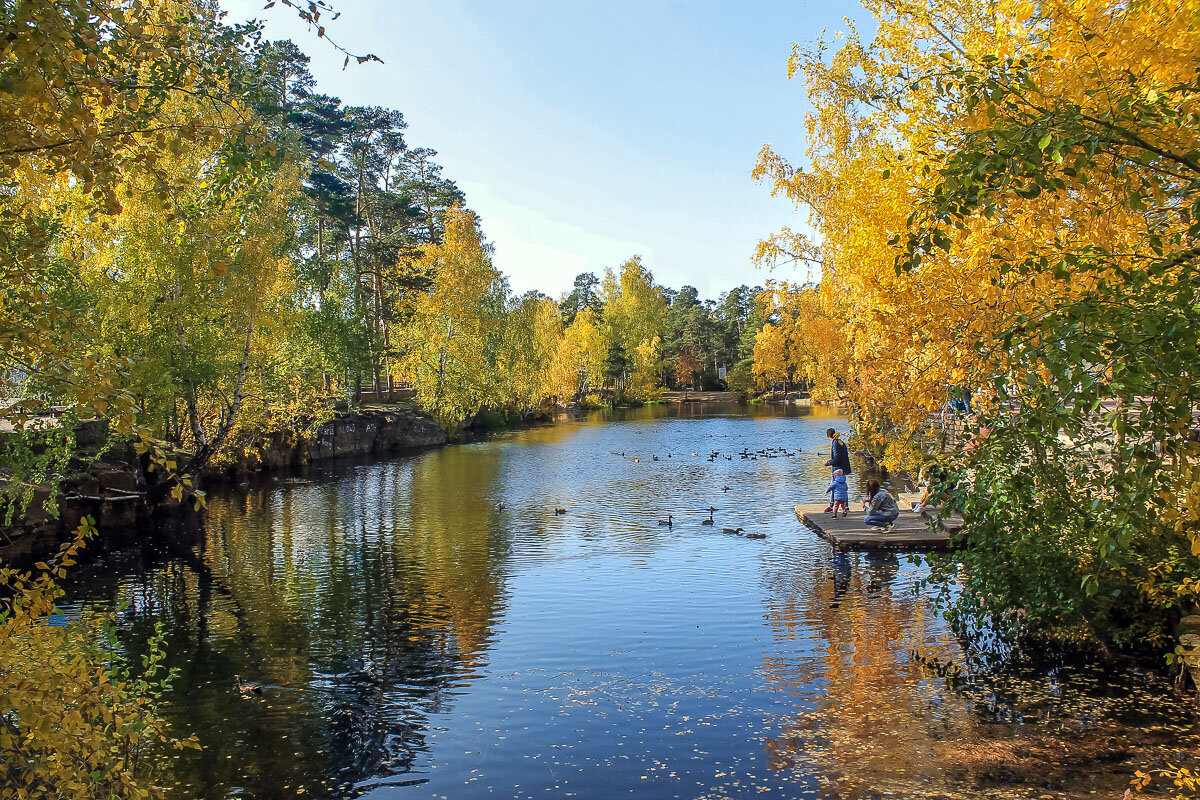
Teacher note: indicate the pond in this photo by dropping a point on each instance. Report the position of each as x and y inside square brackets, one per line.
[427, 626]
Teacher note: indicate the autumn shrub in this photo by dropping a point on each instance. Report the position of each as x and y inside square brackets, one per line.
[740, 379]
[1078, 485]
[77, 720]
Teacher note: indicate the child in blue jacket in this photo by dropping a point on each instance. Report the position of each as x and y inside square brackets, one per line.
[839, 493]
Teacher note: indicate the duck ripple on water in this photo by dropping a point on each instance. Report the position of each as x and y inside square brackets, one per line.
[246, 688]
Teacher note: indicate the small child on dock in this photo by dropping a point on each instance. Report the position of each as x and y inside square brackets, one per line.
[839, 494]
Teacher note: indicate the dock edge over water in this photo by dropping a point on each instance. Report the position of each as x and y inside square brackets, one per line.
[912, 532]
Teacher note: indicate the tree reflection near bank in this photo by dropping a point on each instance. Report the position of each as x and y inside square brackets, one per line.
[873, 713]
[361, 602]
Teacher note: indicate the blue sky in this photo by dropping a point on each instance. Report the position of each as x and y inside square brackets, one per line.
[587, 133]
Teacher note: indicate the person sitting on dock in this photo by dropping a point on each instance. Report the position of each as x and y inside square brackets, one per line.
[933, 478]
[839, 457]
[881, 507]
[839, 493]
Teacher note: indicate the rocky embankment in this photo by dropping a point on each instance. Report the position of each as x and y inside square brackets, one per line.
[115, 488]
[374, 430]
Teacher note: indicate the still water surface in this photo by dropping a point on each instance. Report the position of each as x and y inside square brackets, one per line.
[414, 640]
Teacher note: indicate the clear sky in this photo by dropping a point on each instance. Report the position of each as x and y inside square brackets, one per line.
[583, 134]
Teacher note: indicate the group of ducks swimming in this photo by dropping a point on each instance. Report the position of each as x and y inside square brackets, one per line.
[746, 453]
[769, 452]
[669, 522]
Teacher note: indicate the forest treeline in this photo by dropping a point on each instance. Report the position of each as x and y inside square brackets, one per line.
[1006, 198]
[203, 247]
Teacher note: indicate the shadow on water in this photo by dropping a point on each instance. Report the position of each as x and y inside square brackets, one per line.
[427, 626]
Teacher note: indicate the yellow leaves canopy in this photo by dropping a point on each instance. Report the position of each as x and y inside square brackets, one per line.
[877, 139]
[445, 358]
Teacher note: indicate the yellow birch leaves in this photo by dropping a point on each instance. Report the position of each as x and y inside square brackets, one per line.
[444, 356]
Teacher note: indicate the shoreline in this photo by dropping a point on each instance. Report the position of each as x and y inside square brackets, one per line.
[115, 488]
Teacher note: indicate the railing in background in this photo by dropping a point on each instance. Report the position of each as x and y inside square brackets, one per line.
[398, 393]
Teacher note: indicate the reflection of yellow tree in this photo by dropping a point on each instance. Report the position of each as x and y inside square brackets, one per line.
[270, 554]
[413, 541]
[885, 724]
[456, 542]
[877, 723]
[386, 577]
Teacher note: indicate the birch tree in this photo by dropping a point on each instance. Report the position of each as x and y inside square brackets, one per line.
[445, 357]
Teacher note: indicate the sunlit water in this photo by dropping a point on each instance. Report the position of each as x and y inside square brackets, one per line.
[415, 640]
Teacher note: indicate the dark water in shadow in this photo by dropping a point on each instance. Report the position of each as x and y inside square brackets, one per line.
[414, 641]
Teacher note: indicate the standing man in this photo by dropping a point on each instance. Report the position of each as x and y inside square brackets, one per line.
[839, 455]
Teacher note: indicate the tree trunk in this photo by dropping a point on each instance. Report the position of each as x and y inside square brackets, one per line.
[205, 451]
[199, 434]
[442, 356]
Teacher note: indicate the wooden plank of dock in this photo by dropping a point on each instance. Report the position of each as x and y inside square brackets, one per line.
[911, 531]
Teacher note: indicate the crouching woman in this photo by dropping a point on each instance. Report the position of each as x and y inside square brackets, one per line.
[881, 506]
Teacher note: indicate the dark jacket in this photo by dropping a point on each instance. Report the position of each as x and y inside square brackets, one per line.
[839, 457]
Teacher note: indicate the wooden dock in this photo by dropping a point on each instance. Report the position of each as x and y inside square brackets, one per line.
[912, 532]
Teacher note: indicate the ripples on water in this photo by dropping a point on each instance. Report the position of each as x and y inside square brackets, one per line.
[415, 641]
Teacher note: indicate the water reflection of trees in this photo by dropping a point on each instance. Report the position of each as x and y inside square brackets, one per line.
[360, 600]
[366, 597]
[874, 720]
[878, 721]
